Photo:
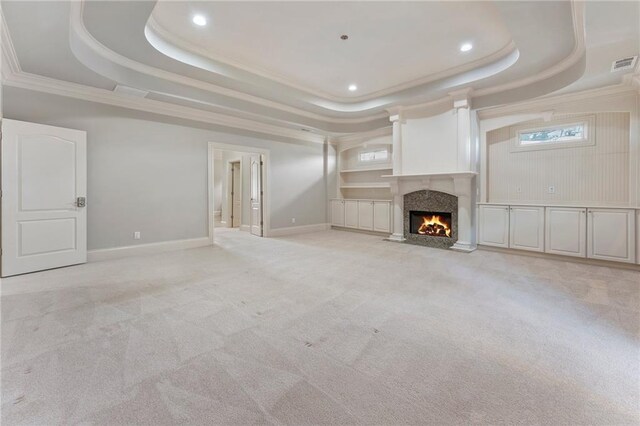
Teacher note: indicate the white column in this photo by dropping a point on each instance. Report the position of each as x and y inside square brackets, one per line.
[397, 143]
[463, 191]
[398, 213]
[464, 134]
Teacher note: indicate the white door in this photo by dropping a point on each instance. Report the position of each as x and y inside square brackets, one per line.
[566, 231]
[236, 195]
[256, 194]
[494, 226]
[44, 185]
[351, 213]
[382, 216]
[337, 212]
[526, 228]
[611, 234]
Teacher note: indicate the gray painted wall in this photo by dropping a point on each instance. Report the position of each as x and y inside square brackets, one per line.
[148, 173]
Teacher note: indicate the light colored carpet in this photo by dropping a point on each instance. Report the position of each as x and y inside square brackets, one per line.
[331, 327]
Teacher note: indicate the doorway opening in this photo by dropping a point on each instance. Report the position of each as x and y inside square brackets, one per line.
[237, 189]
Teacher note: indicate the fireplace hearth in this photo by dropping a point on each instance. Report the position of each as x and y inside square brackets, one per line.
[431, 218]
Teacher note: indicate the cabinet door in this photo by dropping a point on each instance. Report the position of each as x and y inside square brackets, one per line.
[382, 216]
[365, 215]
[494, 226]
[351, 213]
[611, 234]
[337, 212]
[526, 228]
[566, 231]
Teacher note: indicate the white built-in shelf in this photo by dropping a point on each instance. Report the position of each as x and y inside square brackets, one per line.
[369, 169]
[367, 185]
[433, 175]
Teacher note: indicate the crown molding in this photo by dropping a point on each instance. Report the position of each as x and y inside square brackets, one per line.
[9, 56]
[38, 83]
[547, 103]
[352, 140]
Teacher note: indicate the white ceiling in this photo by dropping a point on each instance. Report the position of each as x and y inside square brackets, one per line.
[283, 64]
[390, 43]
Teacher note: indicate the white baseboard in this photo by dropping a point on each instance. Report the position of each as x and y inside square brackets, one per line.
[281, 232]
[245, 228]
[217, 213]
[126, 251]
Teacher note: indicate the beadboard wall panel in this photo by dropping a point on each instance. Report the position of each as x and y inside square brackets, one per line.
[589, 175]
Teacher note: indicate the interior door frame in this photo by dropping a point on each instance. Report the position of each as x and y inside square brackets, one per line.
[231, 193]
[266, 179]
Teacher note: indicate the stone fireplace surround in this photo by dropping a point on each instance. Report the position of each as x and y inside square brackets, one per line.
[431, 201]
[460, 185]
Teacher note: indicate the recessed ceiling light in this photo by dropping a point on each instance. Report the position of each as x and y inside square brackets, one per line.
[199, 20]
[466, 47]
[353, 87]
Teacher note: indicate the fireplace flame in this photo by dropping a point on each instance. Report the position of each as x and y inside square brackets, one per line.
[434, 225]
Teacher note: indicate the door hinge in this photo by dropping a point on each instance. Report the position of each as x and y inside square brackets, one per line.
[261, 223]
[261, 163]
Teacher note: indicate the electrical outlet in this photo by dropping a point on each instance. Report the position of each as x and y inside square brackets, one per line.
[293, 220]
[136, 235]
[552, 189]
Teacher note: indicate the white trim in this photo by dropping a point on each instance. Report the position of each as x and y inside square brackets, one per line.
[281, 232]
[245, 228]
[143, 249]
[548, 103]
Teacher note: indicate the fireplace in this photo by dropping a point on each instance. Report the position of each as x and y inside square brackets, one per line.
[435, 224]
[431, 218]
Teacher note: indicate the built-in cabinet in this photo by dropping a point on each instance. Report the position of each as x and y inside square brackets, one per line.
[566, 231]
[494, 226]
[595, 233]
[526, 228]
[611, 235]
[367, 215]
[351, 213]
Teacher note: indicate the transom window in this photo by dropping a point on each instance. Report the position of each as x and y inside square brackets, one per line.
[568, 133]
[565, 133]
[377, 155]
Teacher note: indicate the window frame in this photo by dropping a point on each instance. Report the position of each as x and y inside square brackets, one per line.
[588, 139]
[373, 161]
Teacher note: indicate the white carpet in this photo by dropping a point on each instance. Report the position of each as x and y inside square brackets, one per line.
[331, 327]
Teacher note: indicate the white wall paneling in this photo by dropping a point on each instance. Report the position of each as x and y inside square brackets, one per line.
[566, 231]
[526, 228]
[597, 174]
[611, 234]
[494, 225]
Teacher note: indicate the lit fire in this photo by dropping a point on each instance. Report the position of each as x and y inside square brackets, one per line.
[434, 225]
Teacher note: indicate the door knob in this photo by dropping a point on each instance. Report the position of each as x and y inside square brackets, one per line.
[81, 201]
